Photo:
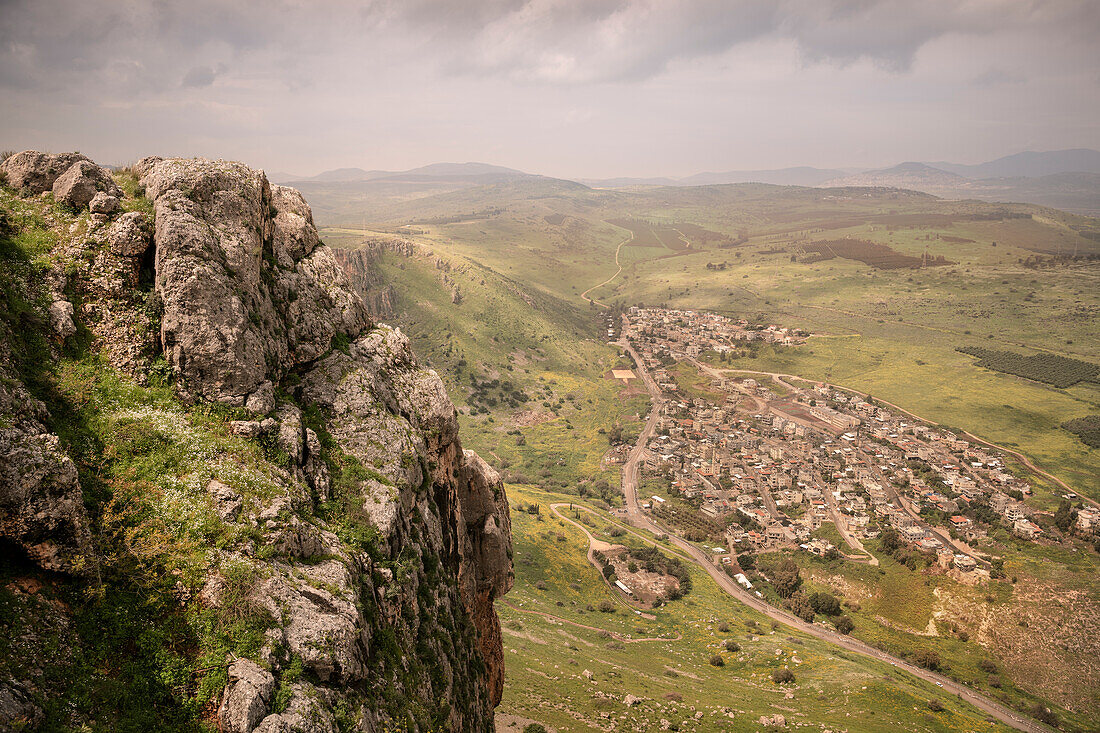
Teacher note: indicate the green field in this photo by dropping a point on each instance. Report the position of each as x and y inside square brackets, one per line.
[522, 256]
[546, 656]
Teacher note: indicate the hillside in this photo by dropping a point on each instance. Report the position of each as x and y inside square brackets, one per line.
[229, 498]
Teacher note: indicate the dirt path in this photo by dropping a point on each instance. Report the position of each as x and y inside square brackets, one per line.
[615, 635]
[618, 272]
[640, 519]
[594, 546]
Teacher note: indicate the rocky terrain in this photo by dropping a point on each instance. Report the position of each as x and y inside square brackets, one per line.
[207, 440]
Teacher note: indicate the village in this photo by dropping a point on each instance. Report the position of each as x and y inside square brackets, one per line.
[760, 471]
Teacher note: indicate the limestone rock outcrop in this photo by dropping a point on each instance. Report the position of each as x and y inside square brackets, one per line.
[36, 172]
[41, 503]
[241, 279]
[374, 543]
[81, 182]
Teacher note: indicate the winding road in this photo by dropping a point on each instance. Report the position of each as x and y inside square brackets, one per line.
[640, 519]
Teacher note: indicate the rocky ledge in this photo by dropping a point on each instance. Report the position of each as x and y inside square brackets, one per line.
[374, 545]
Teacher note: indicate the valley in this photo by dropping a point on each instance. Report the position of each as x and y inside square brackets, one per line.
[538, 279]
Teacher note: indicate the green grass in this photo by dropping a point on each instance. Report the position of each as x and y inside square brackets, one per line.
[546, 658]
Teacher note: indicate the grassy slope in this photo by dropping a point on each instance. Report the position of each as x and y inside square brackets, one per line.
[546, 658]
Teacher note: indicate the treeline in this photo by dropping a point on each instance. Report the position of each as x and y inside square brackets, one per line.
[1059, 371]
[1086, 428]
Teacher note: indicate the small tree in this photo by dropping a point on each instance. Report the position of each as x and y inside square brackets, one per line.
[845, 625]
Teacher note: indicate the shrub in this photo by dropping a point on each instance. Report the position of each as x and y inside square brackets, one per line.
[534, 728]
[927, 658]
[782, 676]
[724, 627]
[717, 661]
[987, 665]
[845, 625]
[607, 607]
[935, 705]
[825, 603]
[732, 646]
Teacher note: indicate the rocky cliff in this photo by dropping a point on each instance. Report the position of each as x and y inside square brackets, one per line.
[207, 445]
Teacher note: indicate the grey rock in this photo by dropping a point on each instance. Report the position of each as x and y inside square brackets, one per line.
[290, 437]
[247, 697]
[104, 203]
[61, 318]
[214, 223]
[246, 428]
[41, 501]
[18, 710]
[78, 185]
[227, 502]
[262, 400]
[130, 235]
[319, 619]
[306, 713]
[35, 171]
[295, 234]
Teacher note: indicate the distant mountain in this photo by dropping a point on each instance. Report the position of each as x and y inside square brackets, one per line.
[1030, 164]
[916, 176]
[798, 176]
[474, 172]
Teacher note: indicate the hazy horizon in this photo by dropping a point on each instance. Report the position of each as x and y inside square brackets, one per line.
[616, 88]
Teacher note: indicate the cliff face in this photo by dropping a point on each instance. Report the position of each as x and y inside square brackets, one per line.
[360, 268]
[364, 551]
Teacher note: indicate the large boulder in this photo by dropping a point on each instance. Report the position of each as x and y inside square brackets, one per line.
[80, 183]
[248, 292]
[295, 235]
[246, 698]
[36, 172]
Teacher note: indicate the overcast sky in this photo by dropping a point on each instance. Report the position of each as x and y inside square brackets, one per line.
[572, 88]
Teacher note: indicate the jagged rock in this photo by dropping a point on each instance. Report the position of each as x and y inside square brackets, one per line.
[246, 428]
[630, 701]
[295, 235]
[130, 235]
[315, 467]
[80, 183]
[247, 697]
[61, 318]
[290, 436]
[104, 203]
[319, 625]
[304, 713]
[36, 172]
[227, 502]
[262, 400]
[18, 710]
[216, 226]
[41, 502]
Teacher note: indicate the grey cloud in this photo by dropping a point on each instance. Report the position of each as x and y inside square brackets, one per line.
[199, 76]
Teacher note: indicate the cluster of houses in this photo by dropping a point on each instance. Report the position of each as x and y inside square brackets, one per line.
[681, 333]
[772, 469]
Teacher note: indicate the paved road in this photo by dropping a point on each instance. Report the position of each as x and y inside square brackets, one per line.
[726, 583]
